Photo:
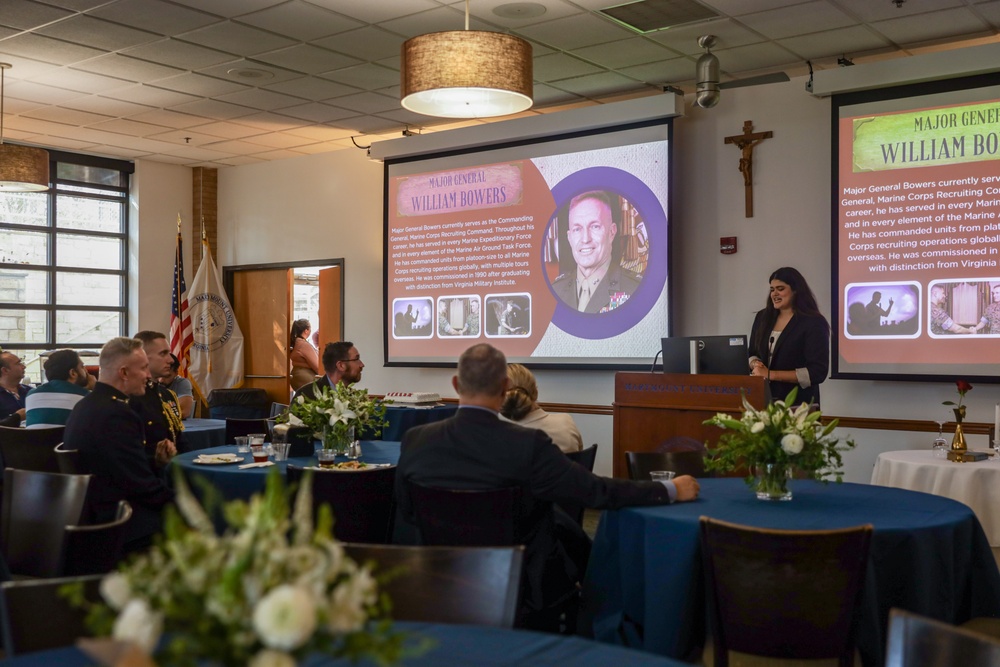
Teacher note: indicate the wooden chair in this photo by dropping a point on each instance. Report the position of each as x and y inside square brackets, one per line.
[362, 502]
[37, 507]
[916, 641]
[462, 585]
[35, 617]
[681, 462]
[30, 448]
[239, 427]
[462, 517]
[68, 460]
[586, 458]
[784, 594]
[95, 549]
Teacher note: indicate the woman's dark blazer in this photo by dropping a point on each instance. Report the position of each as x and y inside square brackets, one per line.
[805, 343]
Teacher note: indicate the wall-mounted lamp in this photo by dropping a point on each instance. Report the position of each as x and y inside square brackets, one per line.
[707, 74]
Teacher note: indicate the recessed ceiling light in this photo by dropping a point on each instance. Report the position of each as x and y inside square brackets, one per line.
[250, 73]
[520, 10]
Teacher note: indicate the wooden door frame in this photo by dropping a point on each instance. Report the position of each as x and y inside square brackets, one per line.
[229, 271]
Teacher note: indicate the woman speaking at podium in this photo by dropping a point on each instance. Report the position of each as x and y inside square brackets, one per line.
[790, 339]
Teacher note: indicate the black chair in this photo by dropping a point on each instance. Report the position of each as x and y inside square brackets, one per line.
[277, 409]
[362, 501]
[37, 507]
[36, 617]
[916, 641]
[462, 585]
[68, 460]
[462, 517]
[586, 458]
[239, 403]
[240, 427]
[95, 549]
[681, 462]
[30, 448]
[791, 594]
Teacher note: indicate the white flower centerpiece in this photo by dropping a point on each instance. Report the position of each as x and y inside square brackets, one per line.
[774, 441]
[252, 596]
[336, 414]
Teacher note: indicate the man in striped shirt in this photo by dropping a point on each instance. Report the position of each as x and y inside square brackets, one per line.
[68, 381]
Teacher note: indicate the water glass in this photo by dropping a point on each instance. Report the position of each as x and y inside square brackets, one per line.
[259, 452]
[257, 438]
[280, 450]
[242, 444]
[661, 475]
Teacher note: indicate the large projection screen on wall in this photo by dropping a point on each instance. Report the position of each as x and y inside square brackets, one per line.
[481, 246]
[916, 233]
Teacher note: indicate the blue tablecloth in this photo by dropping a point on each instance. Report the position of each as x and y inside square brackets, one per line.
[204, 433]
[401, 419]
[456, 646]
[929, 555]
[235, 483]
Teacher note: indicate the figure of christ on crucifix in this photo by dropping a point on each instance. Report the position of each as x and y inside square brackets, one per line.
[745, 142]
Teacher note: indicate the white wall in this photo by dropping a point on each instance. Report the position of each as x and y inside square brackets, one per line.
[330, 205]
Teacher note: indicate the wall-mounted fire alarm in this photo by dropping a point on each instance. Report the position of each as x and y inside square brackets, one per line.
[727, 245]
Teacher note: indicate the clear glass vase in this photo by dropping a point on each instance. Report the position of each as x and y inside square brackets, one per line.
[771, 481]
[338, 439]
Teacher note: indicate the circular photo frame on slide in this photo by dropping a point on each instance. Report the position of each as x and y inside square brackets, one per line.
[595, 326]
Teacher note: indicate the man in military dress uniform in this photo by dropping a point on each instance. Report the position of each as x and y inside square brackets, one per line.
[159, 406]
[599, 284]
[109, 437]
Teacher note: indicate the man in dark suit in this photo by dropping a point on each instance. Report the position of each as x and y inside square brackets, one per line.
[110, 438]
[476, 450]
[341, 363]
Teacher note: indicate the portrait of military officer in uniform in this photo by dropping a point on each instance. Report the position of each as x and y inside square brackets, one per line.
[595, 281]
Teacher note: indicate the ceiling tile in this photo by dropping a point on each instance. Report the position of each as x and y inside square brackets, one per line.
[376, 12]
[307, 59]
[234, 38]
[169, 119]
[237, 71]
[270, 122]
[758, 56]
[370, 43]
[367, 76]
[561, 66]
[300, 21]
[278, 140]
[258, 98]
[684, 39]
[366, 102]
[668, 71]
[186, 137]
[595, 85]
[200, 85]
[312, 88]
[81, 82]
[368, 124]
[624, 53]
[156, 16]
[852, 40]
[105, 105]
[868, 11]
[212, 109]
[149, 95]
[46, 49]
[26, 15]
[316, 112]
[130, 69]
[798, 19]
[575, 32]
[96, 33]
[225, 130]
[180, 54]
[130, 127]
[231, 8]
[930, 26]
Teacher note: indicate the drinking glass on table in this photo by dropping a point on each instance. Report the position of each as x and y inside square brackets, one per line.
[259, 451]
[940, 445]
[242, 444]
[661, 475]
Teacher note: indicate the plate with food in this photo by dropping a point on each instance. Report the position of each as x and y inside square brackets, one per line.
[354, 466]
[216, 459]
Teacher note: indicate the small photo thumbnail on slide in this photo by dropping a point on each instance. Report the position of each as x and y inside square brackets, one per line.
[413, 318]
[508, 315]
[882, 310]
[458, 316]
[964, 308]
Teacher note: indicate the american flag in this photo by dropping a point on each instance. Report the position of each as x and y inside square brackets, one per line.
[181, 334]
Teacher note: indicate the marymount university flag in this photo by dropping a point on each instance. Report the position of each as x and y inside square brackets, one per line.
[217, 351]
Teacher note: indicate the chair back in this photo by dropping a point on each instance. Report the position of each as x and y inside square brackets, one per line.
[784, 593]
[239, 427]
[30, 448]
[277, 409]
[586, 458]
[37, 507]
[68, 460]
[681, 462]
[95, 549]
[462, 517]
[362, 501]
[239, 402]
[461, 585]
[35, 617]
[916, 641]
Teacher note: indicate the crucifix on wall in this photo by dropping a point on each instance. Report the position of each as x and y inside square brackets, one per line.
[745, 142]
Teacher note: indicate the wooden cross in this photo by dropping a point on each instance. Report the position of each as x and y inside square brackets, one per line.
[746, 142]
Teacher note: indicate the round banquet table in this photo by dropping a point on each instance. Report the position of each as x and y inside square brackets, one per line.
[402, 418]
[975, 484]
[204, 433]
[235, 483]
[455, 646]
[645, 587]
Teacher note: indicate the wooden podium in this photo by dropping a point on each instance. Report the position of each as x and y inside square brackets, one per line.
[651, 409]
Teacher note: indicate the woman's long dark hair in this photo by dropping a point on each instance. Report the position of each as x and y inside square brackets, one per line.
[803, 303]
[299, 327]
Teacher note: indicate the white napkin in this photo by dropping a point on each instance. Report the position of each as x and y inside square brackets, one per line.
[262, 464]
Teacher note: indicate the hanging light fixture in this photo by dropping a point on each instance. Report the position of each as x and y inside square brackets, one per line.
[466, 73]
[22, 168]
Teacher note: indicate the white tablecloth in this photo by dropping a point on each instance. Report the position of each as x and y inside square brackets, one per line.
[975, 484]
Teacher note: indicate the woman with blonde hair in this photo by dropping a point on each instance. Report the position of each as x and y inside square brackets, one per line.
[520, 405]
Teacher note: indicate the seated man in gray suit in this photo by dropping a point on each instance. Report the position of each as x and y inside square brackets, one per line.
[476, 450]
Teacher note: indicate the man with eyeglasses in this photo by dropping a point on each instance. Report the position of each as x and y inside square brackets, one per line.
[12, 392]
[341, 363]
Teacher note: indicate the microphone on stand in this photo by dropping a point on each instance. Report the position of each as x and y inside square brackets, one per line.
[652, 368]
